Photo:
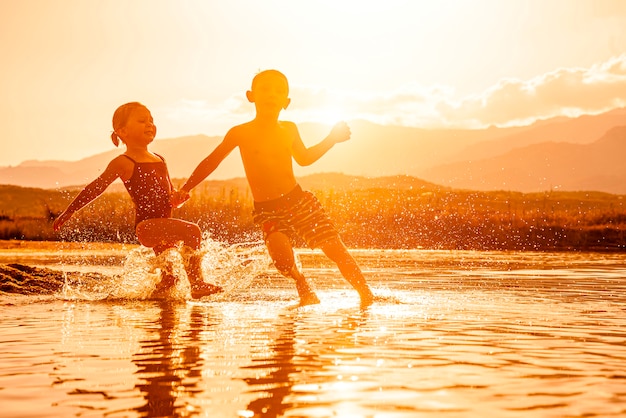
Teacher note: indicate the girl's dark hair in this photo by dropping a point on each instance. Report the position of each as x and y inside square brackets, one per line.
[120, 117]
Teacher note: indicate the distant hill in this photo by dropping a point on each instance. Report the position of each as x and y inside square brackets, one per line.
[454, 158]
[374, 151]
[344, 183]
[182, 155]
[377, 150]
[581, 130]
[596, 166]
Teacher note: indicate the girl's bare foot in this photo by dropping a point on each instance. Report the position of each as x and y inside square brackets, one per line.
[164, 286]
[200, 289]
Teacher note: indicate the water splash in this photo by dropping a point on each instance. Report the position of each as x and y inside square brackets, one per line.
[232, 267]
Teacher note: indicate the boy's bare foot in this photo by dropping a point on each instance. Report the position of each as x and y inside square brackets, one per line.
[367, 298]
[309, 298]
[200, 289]
[306, 293]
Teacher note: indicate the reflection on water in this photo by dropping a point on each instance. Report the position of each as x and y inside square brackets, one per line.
[273, 370]
[456, 334]
[169, 363]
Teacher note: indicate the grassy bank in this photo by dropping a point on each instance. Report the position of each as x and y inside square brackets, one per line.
[381, 214]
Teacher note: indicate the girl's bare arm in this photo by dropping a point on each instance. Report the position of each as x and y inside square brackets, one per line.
[90, 192]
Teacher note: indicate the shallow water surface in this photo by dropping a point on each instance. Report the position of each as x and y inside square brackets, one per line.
[452, 334]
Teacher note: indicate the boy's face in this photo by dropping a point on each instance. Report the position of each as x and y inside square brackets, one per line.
[270, 92]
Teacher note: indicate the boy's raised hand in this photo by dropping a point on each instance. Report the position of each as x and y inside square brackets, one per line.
[340, 132]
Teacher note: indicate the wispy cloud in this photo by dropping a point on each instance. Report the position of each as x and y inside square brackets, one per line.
[201, 116]
[562, 92]
[566, 91]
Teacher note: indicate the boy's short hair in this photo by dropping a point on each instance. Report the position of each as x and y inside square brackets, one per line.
[266, 73]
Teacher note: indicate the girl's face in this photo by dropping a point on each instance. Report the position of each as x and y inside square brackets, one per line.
[139, 127]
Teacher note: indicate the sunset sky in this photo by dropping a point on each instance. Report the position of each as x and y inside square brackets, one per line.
[67, 64]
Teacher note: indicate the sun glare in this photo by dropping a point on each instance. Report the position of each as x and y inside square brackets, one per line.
[328, 115]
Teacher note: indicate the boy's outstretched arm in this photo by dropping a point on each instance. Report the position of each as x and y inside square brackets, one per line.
[307, 156]
[210, 163]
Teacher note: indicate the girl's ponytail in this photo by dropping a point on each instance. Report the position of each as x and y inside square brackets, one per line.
[115, 138]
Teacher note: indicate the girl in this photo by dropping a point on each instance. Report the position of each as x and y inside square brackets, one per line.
[148, 182]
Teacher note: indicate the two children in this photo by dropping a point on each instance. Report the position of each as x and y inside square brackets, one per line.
[267, 147]
[147, 180]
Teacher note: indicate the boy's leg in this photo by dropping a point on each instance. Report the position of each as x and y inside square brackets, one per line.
[337, 251]
[281, 251]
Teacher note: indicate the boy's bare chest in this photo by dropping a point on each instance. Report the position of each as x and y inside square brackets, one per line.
[267, 147]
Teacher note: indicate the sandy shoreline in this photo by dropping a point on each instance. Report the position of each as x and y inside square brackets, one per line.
[82, 257]
[64, 245]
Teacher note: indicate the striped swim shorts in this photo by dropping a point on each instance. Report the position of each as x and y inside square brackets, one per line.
[297, 212]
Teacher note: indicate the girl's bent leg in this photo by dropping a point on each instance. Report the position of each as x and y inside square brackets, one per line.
[167, 280]
[167, 232]
[163, 233]
[199, 287]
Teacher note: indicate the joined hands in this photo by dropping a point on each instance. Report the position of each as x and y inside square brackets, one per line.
[178, 198]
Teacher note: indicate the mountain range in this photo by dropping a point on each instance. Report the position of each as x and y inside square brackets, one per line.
[598, 166]
[582, 153]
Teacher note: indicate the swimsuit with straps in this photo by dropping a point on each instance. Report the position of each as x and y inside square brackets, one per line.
[150, 188]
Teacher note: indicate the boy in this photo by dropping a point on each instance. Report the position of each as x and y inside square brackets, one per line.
[267, 147]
